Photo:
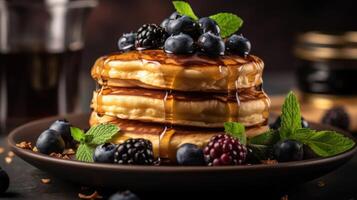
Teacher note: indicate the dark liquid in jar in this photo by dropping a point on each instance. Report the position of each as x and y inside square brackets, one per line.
[37, 84]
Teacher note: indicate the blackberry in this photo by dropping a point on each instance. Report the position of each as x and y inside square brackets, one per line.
[150, 36]
[338, 117]
[223, 149]
[134, 152]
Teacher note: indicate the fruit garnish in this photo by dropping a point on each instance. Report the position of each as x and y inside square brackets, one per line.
[225, 149]
[150, 36]
[190, 155]
[134, 152]
[338, 117]
[323, 143]
[104, 153]
[228, 23]
[50, 141]
[288, 150]
[94, 137]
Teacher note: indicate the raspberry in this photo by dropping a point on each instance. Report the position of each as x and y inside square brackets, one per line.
[134, 152]
[223, 149]
[338, 117]
[150, 36]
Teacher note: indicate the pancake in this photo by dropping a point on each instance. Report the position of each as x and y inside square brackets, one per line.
[248, 106]
[165, 139]
[154, 69]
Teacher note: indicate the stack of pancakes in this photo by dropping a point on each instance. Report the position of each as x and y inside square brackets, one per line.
[176, 99]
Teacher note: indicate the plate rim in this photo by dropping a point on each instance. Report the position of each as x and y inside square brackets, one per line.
[74, 163]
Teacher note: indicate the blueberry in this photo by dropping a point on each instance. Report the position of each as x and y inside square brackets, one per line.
[63, 127]
[208, 25]
[211, 44]
[288, 150]
[184, 24]
[127, 195]
[50, 141]
[165, 23]
[179, 44]
[104, 153]
[190, 154]
[4, 181]
[276, 125]
[174, 15]
[127, 42]
[238, 44]
[338, 117]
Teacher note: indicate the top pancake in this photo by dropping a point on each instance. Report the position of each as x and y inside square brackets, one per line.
[155, 69]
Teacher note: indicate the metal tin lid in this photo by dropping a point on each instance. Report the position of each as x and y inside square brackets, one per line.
[325, 46]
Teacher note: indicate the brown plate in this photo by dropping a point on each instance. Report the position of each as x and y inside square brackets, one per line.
[170, 177]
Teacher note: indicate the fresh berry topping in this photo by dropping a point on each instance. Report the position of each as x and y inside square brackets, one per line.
[134, 152]
[150, 36]
[127, 42]
[224, 149]
[277, 124]
[174, 15]
[50, 141]
[165, 23]
[208, 25]
[179, 44]
[104, 153]
[338, 117]
[238, 44]
[63, 127]
[190, 154]
[4, 181]
[211, 44]
[126, 195]
[185, 25]
[288, 150]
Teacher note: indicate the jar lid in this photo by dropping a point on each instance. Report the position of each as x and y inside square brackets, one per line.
[324, 45]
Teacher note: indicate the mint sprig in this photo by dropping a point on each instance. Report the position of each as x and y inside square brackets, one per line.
[237, 130]
[268, 138]
[95, 136]
[290, 116]
[184, 8]
[228, 23]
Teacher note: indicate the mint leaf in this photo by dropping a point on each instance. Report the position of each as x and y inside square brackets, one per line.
[268, 138]
[85, 153]
[237, 130]
[77, 134]
[184, 8]
[102, 133]
[260, 152]
[228, 23]
[323, 143]
[290, 116]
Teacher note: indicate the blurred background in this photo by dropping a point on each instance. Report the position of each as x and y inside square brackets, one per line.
[273, 27]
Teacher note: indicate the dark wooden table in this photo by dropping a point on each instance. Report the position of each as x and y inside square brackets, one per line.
[26, 180]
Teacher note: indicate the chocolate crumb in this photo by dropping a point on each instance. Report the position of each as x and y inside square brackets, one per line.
[2, 150]
[8, 160]
[321, 184]
[285, 197]
[69, 152]
[10, 154]
[25, 145]
[46, 180]
[269, 162]
[95, 195]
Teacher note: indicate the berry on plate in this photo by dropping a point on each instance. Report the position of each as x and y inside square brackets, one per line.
[190, 154]
[288, 150]
[185, 25]
[126, 195]
[224, 149]
[338, 117]
[134, 152]
[50, 141]
[104, 153]
[63, 127]
[179, 44]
